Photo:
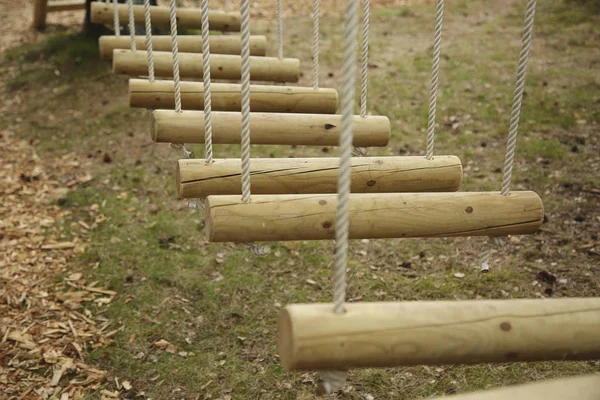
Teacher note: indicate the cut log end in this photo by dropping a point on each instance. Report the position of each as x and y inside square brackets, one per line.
[285, 340]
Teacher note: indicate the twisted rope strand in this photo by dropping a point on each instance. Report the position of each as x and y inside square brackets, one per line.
[148, 22]
[131, 25]
[315, 44]
[365, 59]
[245, 140]
[117, 24]
[435, 70]
[334, 380]
[175, 49]
[280, 29]
[518, 97]
[206, 79]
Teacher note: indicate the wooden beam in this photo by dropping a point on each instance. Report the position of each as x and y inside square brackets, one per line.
[222, 66]
[66, 5]
[380, 215]
[40, 9]
[580, 388]
[268, 128]
[196, 179]
[187, 18]
[219, 44]
[227, 97]
[313, 337]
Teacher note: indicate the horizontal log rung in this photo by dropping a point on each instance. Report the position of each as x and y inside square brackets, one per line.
[65, 5]
[227, 97]
[313, 337]
[268, 128]
[372, 216]
[197, 179]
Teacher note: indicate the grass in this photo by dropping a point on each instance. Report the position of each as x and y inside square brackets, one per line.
[218, 303]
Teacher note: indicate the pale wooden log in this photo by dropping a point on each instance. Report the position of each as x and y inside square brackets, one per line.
[222, 66]
[187, 18]
[580, 388]
[219, 44]
[380, 215]
[196, 179]
[40, 9]
[66, 5]
[313, 337]
[227, 97]
[268, 128]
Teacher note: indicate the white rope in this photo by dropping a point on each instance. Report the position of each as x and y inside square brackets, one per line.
[226, 5]
[245, 32]
[131, 24]
[315, 44]
[365, 59]
[175, 49]
[148, 22]
[514, 121]
[206, 79]
[487, 250]
[117, 24]
[280, 29]
[334, 380]
[435, 70]
[518, 97]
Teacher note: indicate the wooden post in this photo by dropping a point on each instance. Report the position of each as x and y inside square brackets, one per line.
[187, 18]
[40, 9]
[580, 388]
[227, 97]
[380, 215]
[222, 66]
[268, 128]
[313, 337]
[219, 44]
[196, 179]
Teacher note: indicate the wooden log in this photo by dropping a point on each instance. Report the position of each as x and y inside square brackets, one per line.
[312, 336]
[227, 97]
[379, 215]
[196, 179]
[268, 128]
[580, 388]
[40, 9]
[66, 5]
[222, 66]
[187, 18]
[219, 44]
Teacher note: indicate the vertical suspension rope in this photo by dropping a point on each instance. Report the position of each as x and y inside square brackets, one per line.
[334, 380]
[206, 79]
[245, 33]
[117, 24]
[148, 22]
[315, 44]
[175, 50]
[280, 29]
[226, 5]
[365, 59]
[518, 97]
[131, 25]
[514, 123]
[435, 70]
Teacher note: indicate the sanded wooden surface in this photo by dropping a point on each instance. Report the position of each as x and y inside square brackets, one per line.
[222, 66]
[312, 337]
[227, 97]
[268, 128]
[380, 215]
[219, 44]
[580, 388]
[102, 13]
[196, 179]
